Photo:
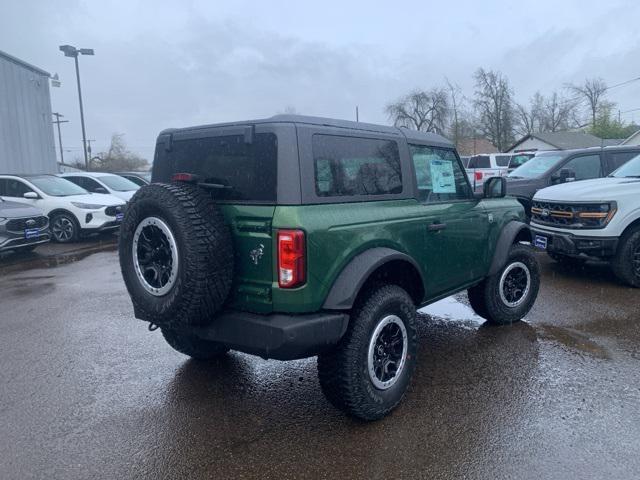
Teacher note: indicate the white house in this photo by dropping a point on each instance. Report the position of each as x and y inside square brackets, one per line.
[559, 141]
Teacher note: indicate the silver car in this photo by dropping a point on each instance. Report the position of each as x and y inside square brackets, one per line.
[22, 227]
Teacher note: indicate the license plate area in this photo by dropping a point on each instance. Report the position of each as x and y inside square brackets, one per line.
[30, 233]
[541, 242]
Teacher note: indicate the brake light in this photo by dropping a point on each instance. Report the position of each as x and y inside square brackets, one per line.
[184, 177]
[291, 261]
[478, 175]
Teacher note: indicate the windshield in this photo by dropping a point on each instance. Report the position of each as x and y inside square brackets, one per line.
[57, 187]
[119, 184]
[629, 169]
[536, 166]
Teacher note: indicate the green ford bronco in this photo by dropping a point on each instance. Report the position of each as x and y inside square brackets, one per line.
[297, 236]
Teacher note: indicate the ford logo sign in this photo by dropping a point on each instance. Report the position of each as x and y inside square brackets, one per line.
[545, 212]
[30, 223]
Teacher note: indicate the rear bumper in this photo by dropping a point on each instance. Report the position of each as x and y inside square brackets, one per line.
[576, 245]
[279, 336]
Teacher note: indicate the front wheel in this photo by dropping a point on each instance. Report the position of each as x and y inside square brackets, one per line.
[64, 228]
[368, 372]
[193, 346]
[626, 263]
[507, 296]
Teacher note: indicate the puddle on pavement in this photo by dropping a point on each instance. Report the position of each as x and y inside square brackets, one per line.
[38, 262]
[572, 340]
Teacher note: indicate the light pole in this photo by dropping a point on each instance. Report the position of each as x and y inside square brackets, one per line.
[57, 121]
[70, 51]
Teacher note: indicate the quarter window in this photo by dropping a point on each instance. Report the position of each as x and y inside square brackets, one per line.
[617, 159]
[350, 166]
[439, 175]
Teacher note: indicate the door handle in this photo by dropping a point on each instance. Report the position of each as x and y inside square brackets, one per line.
[435, 227]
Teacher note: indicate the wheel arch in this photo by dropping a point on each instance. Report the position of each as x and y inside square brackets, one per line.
[57, 211]
[634, 224]
[379, 264]
[513, 232]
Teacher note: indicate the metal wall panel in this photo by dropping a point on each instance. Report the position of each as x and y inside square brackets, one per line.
[26, 128]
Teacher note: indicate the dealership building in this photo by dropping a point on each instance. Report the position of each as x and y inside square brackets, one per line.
[26, 128]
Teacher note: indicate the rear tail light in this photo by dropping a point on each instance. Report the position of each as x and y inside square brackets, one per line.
[478, 175]
[184, 177]
[291, 258]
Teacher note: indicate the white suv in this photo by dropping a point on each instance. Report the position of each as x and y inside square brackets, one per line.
[593, 219]
[70, 208]
[100, 182]
[480, 168]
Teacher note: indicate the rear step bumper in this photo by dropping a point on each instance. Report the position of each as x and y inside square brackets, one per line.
[279, 336]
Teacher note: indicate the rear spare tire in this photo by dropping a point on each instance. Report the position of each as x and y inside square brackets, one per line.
[176, 255]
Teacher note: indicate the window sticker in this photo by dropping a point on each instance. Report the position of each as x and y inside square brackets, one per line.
[442, 176]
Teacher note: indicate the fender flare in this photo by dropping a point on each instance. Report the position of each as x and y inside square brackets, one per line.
[507, 237]
[347, 285]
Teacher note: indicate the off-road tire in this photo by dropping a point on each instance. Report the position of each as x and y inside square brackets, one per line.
[485, 298]
[628, 252]
[343, 371]
[193, 346]
[74, 222]
[566, 259]
[204, 251]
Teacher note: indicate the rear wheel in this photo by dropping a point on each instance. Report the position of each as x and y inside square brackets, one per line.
[64, 228]
[193, 346]
[507, 296]
[368, 372]
[626, 263]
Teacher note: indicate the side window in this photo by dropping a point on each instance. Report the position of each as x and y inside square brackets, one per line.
[77, 180]
[479, 161]
[585, 167]
[350, 166]
[503, 160]
[3, 187]
[15, 188]
[439, 176]
[616, 159]
[90, 184]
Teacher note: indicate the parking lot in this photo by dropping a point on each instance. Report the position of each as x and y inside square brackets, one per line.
[89, 392]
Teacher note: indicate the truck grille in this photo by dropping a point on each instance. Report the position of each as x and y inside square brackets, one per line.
[114, 210]
[19, 225]
[568, 215]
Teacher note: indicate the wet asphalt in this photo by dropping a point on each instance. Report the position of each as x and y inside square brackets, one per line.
[88, 392]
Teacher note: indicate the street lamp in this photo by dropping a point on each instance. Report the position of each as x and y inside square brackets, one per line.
[70, 51]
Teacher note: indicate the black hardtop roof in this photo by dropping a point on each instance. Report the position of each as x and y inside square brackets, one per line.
[411, 135]
[609, 148]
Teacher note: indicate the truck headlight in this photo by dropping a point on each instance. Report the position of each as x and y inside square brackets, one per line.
[595, 215]
[87, 206]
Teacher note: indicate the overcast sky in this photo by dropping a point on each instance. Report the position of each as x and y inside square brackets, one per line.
[170, 64]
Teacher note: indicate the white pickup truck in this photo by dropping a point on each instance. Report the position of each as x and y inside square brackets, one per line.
[479, 168]
[597, 218]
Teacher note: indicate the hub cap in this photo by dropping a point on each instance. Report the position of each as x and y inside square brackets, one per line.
[515, 283]
[635, 258]
[62, 229]
[155, 256]
[387, 352]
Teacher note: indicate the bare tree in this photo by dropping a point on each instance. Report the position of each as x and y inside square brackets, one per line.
[456, 105]
[118, 158]
[558, 113]
[593, 91]
[494, 105]
[421, 110]
[529, 118]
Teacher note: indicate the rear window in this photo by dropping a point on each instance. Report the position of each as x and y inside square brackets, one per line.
[479, 161]
[346, 166]
[239, 171]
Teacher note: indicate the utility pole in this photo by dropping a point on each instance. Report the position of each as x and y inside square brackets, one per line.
[70, 51]
[57, 121]
[357, 115]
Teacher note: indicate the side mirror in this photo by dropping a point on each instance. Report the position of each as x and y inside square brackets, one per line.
[567, 175]
[495, 187]
[100, 190]
[31, 195]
